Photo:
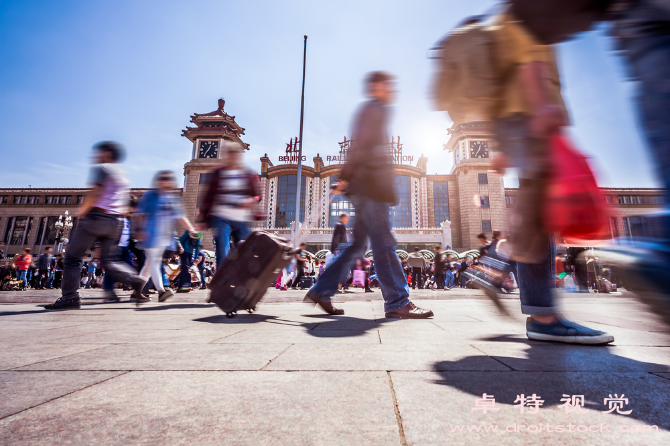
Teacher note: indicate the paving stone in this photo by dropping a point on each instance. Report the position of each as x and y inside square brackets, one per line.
[528, 355]
[383, 357]
[327, 337]
[216, 408]
[434, 405]
[155, 336]
[167, 357]
[22, 390]
[13, 356]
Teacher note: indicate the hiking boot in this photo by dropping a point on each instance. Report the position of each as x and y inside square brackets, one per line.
[63, 303]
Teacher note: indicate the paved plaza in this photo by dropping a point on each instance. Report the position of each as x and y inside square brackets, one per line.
[182, 373]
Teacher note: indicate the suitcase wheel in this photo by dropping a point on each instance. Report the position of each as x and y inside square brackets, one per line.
[230, 314]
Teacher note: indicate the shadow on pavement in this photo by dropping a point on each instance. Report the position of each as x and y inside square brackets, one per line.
[552, 384]
[171, 306]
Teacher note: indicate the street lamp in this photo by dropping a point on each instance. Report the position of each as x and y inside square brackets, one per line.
[63, 226]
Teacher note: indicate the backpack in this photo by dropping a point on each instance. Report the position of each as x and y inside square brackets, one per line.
[467, 84]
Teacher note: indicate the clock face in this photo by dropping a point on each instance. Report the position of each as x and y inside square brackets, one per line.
[479, 149]
[208, 149]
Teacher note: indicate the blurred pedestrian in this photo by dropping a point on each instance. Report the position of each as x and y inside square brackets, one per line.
[158, 213]
[367, 178]
[99, 221]
[23, 263]
[44, 268]
[417, 262]
[228, 205]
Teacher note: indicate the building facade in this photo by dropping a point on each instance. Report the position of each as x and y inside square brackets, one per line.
[445, 209]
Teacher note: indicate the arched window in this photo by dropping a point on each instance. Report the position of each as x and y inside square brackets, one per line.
[340, 205]
[401, 214]
[285, 207]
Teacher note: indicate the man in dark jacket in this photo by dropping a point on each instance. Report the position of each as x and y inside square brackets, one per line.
[43, 265]
[339, 233]
[367, 178]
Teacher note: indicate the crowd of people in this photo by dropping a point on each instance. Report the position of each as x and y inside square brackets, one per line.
[524, 106]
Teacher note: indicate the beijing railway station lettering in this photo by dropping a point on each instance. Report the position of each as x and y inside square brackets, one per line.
[395, 148]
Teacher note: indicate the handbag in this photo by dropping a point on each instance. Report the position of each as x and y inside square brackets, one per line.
[574, 207]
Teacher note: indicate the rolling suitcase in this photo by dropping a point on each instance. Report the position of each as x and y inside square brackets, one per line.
[245, 275]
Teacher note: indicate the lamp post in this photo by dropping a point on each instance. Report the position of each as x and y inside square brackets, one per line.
[63, 226]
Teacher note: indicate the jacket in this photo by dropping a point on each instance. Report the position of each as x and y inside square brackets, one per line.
[190, 244]
[207, 202]
[339, 236]
[44, 261]
[148, 207]
[369, 166]
[416, 260]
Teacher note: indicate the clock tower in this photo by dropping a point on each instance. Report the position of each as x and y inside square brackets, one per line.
[481, 192]
[210, 132]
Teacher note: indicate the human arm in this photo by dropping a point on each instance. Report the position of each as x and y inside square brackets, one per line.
[546, 116]
[91, 197]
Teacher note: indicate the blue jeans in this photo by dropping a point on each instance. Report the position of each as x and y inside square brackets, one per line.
[651, 66]
[450, 279]
[224, 230]
[535, 279]
[23, 276]
[373, 221]
[126, 256]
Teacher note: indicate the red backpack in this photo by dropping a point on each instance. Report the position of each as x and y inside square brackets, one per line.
[574, 207]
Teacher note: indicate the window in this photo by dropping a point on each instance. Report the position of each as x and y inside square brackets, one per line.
[484, 202]
[285, 207]
[3, 199]
[65, 199]
[49, 199]
[626, 199]
[614, 229]
[20, 199]
[40, 231]
[626, 227]
[204, 178]
[483, 178]
[486, 225]
[608, 199]
[510, 200]
[636, 226]
[8, 228]
[33, 199]
[340, 205]
[19, 231]
[80, 199]
[633, 199]
[620, 199]
[50, 231]
[401, 214]
[441, 202]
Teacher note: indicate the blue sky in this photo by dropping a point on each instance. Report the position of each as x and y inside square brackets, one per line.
[77, 72]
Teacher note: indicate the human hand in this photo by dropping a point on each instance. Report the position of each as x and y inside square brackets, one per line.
[340, 187]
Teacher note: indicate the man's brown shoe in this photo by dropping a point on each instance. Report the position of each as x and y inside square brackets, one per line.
[324, 304]
[409, 311]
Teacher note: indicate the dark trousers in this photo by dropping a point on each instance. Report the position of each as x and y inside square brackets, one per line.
[58, 277]
[439, 280]
[95, 227]
[417, 278]
[43, 279]
[298, 277]
[186, 261]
